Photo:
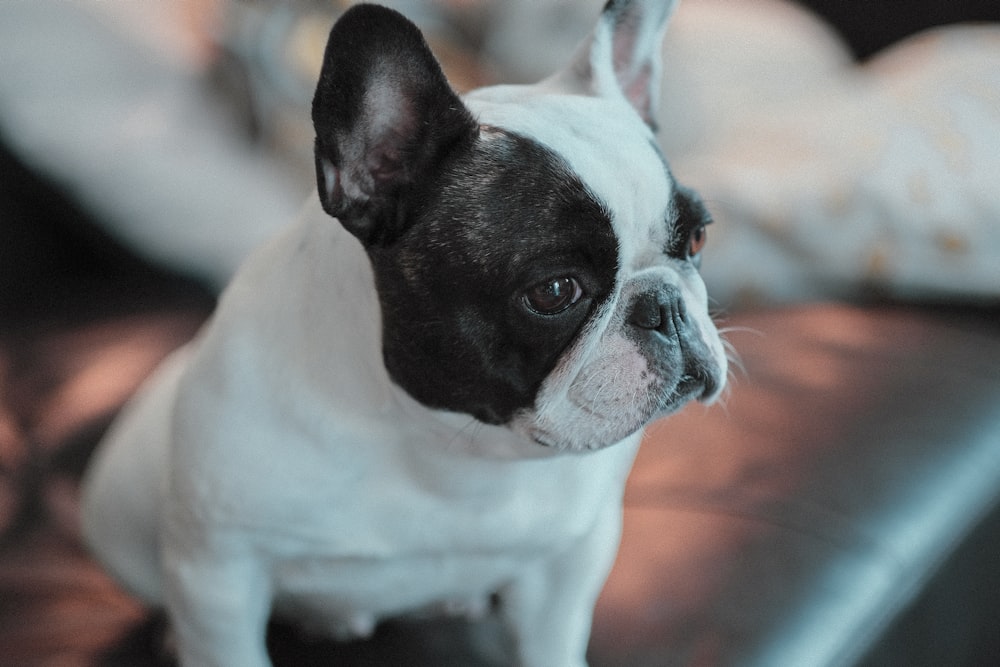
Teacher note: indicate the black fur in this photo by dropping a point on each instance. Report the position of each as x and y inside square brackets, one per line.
[502, 217]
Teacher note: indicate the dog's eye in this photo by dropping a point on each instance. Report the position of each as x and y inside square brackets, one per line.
[696, 241]
[552, 296]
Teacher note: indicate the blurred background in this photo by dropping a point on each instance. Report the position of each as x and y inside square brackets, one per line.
[841, 139]
[849, 151]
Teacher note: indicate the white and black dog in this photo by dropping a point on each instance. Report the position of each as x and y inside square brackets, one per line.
[433, 400]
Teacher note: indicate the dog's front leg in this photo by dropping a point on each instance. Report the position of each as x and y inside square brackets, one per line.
[217, 596]
[549, 609]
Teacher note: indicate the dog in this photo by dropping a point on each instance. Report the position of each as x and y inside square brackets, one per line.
[428, 392]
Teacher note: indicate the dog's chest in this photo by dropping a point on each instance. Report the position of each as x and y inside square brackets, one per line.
[399, 507]
[410, 540]
[403, 548]
[345, 596]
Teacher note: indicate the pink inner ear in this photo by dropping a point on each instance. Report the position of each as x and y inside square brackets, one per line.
[390, 108]
[385, 161]
[623, 45]
[637, 90]
[633, 78]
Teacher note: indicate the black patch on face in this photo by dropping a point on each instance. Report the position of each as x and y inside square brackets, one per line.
[500, 217]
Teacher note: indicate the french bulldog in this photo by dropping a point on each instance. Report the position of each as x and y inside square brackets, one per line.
[428, 392]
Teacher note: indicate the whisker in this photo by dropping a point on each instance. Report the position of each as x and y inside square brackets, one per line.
[470, 429]
[733, 357]
[742, 329]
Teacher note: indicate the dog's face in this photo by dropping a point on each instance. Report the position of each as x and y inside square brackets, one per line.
[535, 260]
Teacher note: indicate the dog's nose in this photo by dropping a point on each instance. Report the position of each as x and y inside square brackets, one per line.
[661, 311]
[671, 338]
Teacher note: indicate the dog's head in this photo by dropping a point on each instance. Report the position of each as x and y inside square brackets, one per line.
[536, 262]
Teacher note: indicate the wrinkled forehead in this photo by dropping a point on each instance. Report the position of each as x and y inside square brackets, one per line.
[605, 142]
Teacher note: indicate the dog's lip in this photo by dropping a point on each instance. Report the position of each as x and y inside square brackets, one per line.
[694, 390]
[554, 447]
[584, 407]
[711, 391]
[701, 381]
[712, 385]
[570, 447]
[537, 438]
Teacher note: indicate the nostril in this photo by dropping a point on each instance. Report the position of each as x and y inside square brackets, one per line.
[647, 313]
[658, 311]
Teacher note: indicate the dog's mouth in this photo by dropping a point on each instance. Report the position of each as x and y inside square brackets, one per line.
[592, 423]
[702, 381]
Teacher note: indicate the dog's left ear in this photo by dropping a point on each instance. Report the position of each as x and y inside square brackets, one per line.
[384, 116]
[622, 57]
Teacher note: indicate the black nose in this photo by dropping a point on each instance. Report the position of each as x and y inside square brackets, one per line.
[661, 311]
[661, 320]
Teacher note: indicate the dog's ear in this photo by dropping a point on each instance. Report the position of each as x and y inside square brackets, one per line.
[623, 55]
[384, 115]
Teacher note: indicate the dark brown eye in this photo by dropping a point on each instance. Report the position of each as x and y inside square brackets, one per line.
[696, 241]
[553, 296]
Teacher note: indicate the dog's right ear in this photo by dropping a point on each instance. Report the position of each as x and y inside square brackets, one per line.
[384, 115]
[622, 55]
